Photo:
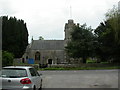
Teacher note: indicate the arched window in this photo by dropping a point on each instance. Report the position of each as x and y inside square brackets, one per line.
[37, 56]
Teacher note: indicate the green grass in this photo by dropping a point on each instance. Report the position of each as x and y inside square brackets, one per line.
[104, 62]
[89, 66]
[82, 68]
[90, 61]
[93, 61]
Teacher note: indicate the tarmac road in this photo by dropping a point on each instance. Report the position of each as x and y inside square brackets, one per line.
[80, 79]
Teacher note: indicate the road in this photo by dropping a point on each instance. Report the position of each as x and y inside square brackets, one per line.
[80, 79]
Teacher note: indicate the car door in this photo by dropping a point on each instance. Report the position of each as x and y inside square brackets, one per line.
[35, 77]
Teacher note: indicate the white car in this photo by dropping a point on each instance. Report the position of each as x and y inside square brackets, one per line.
[21, 78]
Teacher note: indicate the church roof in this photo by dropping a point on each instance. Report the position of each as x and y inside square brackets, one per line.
[47, 45]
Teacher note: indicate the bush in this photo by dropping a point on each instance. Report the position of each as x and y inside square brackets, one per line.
[7, 58]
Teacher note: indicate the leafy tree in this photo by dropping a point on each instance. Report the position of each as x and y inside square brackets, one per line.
[108, 35]
[14, 36]
[7, 58]
[41, 38]
[105, 40]
[113, 18]
[82, 43]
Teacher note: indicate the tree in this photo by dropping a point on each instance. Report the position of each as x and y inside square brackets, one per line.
[82, 43]
[41, 38]
[14, 36]
[105, 41]
[113, 18]
[7, 58]
[108, 35]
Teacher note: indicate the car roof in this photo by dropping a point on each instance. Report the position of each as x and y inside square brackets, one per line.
[23, 67]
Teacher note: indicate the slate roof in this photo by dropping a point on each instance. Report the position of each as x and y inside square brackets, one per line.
[47, 45]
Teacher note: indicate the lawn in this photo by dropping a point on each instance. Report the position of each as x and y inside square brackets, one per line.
[80, 68]
[90, 65]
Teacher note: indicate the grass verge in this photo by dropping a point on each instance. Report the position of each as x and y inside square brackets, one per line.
[80, 68]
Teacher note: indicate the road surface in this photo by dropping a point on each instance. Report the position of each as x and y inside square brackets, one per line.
[80, 79]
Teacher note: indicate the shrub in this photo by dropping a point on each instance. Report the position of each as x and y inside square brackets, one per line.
[7, 58]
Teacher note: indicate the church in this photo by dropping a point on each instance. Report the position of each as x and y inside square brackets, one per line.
[50, 51]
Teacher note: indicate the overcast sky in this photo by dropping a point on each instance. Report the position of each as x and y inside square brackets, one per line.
[47, 18]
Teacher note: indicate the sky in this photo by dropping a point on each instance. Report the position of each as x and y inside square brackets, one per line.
[47, 18]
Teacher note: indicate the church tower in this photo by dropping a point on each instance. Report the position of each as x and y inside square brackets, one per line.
[68, 29]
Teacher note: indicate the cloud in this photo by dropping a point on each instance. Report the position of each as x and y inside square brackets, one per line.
[6, 8]
[47, 17]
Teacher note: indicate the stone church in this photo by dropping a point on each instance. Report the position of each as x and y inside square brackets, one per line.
[50, 51]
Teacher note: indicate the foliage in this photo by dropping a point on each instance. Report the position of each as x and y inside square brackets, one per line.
[108, 36]
[41, 38]
[14, 36]
[113, 18]
[91, 61]
[7, 58]
[82, 43]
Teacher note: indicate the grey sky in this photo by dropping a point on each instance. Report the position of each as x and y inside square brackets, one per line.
[47, 17]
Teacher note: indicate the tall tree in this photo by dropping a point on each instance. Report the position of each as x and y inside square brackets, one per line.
[14, 36]
[108, 33]
[113, 17]
[105, 41]
[82, 43]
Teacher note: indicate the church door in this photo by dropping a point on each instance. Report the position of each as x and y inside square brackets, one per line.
[37, 56]
[49, 61]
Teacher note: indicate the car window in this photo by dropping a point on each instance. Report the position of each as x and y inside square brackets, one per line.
[14, 72]
[33, 72]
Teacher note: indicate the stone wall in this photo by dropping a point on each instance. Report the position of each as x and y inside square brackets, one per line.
[57, 56]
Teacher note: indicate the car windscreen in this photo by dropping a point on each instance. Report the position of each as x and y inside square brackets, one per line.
[13, 73]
